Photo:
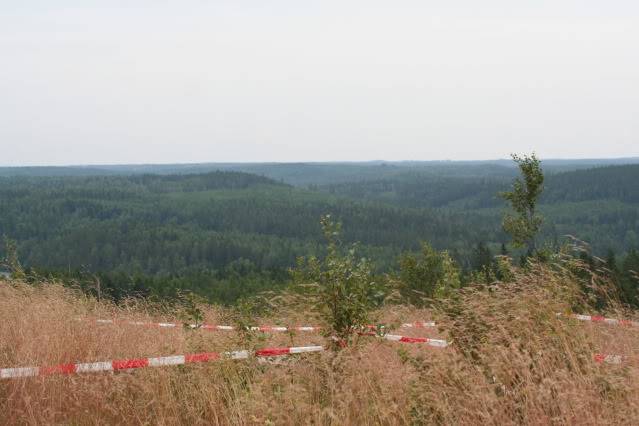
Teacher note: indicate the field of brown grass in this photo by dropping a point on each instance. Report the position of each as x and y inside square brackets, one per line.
[512, 360]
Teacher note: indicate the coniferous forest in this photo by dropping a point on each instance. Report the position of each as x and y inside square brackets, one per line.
[225, 231]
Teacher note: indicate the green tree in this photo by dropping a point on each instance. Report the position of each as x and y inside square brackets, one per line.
[345, 286]
[483, 261]
[11, 261]
[431, 275]
[629, 279]
[525, 223]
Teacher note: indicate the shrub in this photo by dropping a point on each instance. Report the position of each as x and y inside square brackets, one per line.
[433, 274]
[343, 284]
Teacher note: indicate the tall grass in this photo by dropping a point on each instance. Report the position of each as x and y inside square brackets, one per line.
[512, 361]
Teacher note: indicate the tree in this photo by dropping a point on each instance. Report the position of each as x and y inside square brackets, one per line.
[11, 261]
[431, 275]
[525, 223]
[629, 280]
[482, 264]
[345, 286]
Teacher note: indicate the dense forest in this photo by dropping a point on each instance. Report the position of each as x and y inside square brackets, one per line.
[225, 232]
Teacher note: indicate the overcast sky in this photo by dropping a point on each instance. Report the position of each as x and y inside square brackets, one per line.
[136, 81]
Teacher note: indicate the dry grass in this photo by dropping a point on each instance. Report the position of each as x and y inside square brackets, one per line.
[513, 361]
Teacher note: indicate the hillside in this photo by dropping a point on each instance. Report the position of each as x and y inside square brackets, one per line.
[229, 233]
[223, 231]
[474, 191]
[317, 173]
[511, 360]
[599, 205]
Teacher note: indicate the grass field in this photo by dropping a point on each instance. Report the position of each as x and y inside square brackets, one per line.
[512, 360]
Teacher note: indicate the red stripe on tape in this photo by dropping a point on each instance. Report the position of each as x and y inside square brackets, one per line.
[208, 327]
[126, 364]
[273, 352]
[413, 339]
[58, 369]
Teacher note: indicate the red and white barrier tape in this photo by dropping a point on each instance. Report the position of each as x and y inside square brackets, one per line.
[416, 324]
[438, 343]
[165, 361]
[210, 327]
[128, 364]
[404, 339]
[612, 321]
[608, 359]
[264, 328]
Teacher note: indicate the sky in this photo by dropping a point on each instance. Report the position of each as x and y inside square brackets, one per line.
[141, 81]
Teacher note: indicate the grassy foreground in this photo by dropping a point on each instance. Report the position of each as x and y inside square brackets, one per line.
[512, 361]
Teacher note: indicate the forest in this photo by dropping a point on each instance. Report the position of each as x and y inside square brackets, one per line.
[224, 232]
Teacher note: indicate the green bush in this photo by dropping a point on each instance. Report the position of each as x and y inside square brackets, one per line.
[433, 274]
[343, 284]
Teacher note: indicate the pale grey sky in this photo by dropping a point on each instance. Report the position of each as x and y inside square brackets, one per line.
[87, 81]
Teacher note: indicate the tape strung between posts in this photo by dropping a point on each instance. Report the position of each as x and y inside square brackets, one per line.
[209, 327]
[128, 364]
[164, 361]
[612, 321]
[438, 343]
[264, 328]
[608, 358]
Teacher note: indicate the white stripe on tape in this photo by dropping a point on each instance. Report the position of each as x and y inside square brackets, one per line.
[93, 367]
[103, 321]
[418, 324]
[392, 337]
[304, 349]
[166, 324]
[583, 317]
[613, 359]
[238, 354]
[167, 360]
[10, 373]
[437, 343]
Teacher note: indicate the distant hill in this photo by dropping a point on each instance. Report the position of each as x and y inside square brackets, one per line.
[599, 205]
[420, 190]
[602, 183]
[201, 229]
[180, 223]
[308, 174]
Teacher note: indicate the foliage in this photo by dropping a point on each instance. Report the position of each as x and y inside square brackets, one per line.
[11, 261]
[524, 225]
[624, 276]
[345, 285]
[192, 314]
[225, 235]
[628, 278]
[512, 360]
[433, 274]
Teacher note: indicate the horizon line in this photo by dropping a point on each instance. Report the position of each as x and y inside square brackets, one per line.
[133, 164]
